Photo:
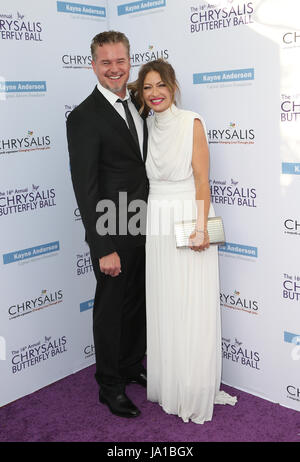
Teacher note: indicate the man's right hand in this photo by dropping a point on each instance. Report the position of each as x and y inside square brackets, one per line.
[110, 264]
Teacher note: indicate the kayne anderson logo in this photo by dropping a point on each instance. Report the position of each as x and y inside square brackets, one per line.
[85, 306]
[137, 7]
[138, 58]
[31, 141]
[26, 199]
[43, 300]
[232, 193]
[18, 27]
[237, 301]
[294, 339]
[220, 78]
[232, 134]
[19, 88]
[32, 252]
[290, 168]
[71, 61]
[239, 250]
[78, 8]
[208, 17]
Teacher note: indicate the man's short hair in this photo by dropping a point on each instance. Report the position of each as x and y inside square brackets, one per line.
[110, 36]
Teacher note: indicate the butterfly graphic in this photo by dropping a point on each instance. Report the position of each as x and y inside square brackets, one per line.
[20, 16]
[236, 292]
[232, 124]
[150, 47]
[35, 188]
[237, 342]
[234, 182]
[44, 291]
[30, 132]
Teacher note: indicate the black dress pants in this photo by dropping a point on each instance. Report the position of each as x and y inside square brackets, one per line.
[119, 319]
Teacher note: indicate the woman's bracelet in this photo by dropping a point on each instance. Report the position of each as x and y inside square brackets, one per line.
[201, 231]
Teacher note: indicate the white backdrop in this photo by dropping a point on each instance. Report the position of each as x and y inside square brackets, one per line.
[236, 63]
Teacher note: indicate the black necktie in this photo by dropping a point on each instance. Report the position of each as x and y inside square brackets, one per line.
[130, 121]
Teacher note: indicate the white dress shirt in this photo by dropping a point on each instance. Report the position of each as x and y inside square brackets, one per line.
[138, 121]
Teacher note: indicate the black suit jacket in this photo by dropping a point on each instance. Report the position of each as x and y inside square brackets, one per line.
[105, 160]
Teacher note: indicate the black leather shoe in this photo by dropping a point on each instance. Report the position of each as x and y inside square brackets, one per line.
[141, 379]
[119, 404]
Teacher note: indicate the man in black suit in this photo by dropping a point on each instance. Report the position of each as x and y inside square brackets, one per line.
[107, 142]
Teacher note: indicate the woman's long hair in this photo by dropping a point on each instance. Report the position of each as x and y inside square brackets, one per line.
[167, 75]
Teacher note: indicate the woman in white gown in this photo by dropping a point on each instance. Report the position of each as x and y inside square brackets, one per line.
[182, 284]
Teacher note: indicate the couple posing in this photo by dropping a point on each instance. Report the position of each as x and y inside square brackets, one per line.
[112, 151]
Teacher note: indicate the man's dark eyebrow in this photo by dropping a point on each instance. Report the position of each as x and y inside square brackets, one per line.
[108, 60]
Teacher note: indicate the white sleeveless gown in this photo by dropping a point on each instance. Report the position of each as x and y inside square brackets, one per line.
[182, 286]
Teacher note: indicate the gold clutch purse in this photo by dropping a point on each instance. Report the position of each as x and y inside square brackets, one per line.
[215, 229]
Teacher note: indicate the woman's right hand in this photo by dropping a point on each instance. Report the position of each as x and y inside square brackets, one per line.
[199, 240]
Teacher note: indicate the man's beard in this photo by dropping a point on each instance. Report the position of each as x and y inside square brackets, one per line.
[115, 89]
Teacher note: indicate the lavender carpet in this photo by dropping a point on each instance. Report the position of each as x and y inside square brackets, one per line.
[68, 411]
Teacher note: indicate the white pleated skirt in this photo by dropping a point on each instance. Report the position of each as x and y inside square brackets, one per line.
[183, 311]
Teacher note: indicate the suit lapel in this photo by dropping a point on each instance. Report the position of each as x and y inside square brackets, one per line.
[117, 121]
[145, 128]
[145, 140]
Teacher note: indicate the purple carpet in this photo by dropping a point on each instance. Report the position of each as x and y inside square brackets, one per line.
[68, 411]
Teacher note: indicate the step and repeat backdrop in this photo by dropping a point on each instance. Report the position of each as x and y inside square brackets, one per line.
[237, 65]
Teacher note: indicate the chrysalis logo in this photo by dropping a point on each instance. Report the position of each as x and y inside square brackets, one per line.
[293, 392]
[290, 108]
[230, 192]
[30, 142]
[239, 302]
[291, 38]
[144, 56]
[207, 17]
[76, 61]
[2, 349]
[232, 135]
[20, 28]
[292, 226]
